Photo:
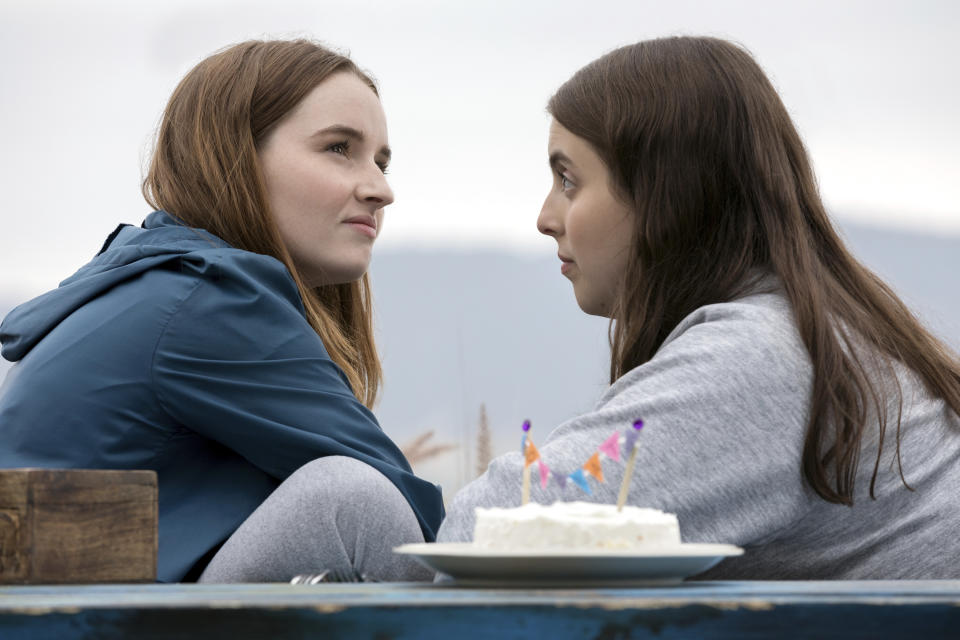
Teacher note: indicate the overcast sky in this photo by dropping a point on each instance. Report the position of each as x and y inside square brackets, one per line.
[871, 85]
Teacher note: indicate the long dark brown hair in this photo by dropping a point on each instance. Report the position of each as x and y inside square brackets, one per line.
[206, 172]
[700, 146]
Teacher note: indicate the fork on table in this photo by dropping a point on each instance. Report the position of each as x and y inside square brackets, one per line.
[333, 575]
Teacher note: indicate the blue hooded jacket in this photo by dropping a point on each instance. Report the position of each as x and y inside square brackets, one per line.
[173, 351]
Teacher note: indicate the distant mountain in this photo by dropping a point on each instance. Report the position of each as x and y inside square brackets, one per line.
[457, 329]
[923, 269]
[461, 329]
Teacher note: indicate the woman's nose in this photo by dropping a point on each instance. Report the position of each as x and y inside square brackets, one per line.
[376, 189]
[548, 222]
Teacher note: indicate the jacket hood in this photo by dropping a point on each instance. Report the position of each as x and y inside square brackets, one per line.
[128, 252]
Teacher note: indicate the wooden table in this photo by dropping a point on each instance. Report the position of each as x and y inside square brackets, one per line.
[692, 610]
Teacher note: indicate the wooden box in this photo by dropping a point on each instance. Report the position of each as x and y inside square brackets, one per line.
[77, 526]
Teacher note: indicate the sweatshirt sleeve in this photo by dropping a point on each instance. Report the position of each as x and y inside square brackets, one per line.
[238, 363]
[724, 405]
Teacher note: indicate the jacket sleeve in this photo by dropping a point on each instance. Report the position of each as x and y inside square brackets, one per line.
[724, 405]
[238, 363]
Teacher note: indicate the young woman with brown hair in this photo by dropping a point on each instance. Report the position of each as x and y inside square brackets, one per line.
[792, 404]
[227, 343]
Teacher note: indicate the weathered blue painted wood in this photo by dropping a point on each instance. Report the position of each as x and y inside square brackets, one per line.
[692, 610]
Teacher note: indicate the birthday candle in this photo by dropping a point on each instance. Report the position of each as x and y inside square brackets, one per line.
[525, 493]
[628, 472]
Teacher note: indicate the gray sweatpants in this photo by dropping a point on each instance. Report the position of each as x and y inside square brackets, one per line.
[335, 513]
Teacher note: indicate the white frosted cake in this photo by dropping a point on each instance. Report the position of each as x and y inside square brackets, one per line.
[574, 525]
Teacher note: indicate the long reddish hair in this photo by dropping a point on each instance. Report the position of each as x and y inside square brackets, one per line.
[205, 171]
[700, 146]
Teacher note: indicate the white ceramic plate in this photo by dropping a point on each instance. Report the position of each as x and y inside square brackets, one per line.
[655, 566]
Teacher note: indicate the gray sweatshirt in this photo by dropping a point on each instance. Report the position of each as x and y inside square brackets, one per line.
[725, 402]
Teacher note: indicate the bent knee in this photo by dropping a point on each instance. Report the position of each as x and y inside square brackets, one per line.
[341, 475]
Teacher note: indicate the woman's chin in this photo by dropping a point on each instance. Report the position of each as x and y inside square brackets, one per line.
[338, 275]
[592, 306]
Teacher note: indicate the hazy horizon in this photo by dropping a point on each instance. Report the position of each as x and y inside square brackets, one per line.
[459, 329]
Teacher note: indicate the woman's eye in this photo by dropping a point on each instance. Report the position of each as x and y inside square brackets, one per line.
[565, 183]
[384, 167]
[340, 147]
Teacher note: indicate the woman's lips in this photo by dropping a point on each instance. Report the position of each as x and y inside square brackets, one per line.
[364, 225]
[566, 264]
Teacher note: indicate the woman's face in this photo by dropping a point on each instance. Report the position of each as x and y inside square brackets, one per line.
[593, 229]
[324, 167]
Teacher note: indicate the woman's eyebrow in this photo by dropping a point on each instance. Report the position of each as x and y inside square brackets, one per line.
[350, 132]
[558, 158]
